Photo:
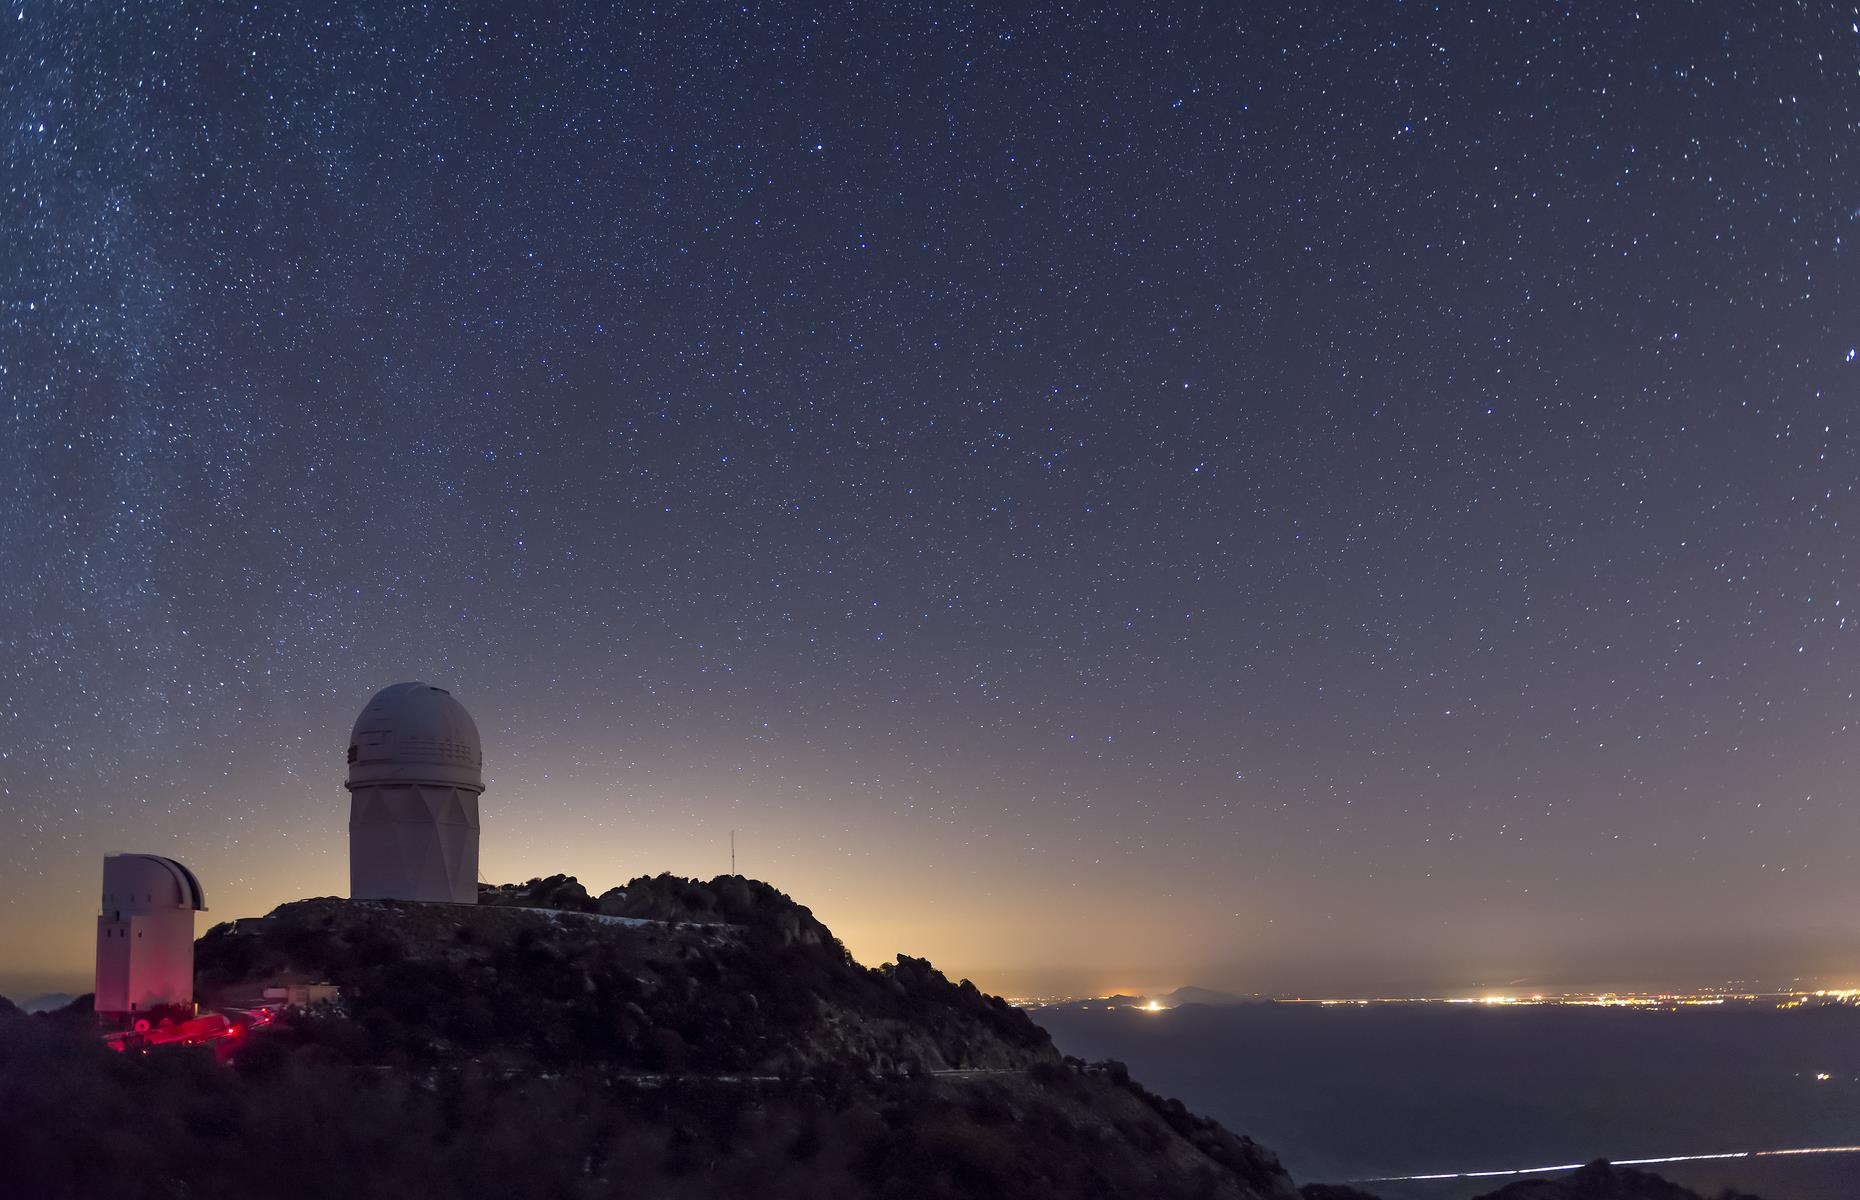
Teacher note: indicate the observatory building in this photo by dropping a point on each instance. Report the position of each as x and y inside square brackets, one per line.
[416, 770]
[145, 935]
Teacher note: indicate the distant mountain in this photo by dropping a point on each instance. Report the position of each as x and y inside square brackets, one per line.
[48, 1002]
[1602, 1181]
[8, 1008]
[1599, 1180]
[1199, 995]
[1175, 999]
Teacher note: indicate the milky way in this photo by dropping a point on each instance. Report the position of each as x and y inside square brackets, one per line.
[1097, 498]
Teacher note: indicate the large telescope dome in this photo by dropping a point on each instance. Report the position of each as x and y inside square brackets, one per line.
[414, 733]
[415, 773]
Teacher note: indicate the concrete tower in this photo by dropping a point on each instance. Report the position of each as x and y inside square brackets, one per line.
[416, 770]
[145, 935]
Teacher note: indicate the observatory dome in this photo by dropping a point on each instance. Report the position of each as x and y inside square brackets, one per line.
[415, 733]
[148, 882]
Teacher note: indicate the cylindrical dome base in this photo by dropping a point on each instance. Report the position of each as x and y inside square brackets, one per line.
[413, 842]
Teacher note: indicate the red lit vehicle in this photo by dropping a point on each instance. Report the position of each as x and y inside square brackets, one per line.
[226, 1027]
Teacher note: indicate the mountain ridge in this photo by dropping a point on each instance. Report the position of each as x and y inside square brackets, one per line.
[671, 1038]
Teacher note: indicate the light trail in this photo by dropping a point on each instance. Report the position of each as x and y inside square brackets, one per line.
[1619, 1162]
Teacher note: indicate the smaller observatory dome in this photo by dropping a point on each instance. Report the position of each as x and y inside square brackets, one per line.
[415, 733]
[147, 883]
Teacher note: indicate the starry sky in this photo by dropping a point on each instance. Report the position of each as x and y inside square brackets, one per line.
[1280, 497]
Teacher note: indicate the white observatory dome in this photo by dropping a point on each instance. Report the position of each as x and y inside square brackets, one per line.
[141, 883]
[416, 771]
[414, 733]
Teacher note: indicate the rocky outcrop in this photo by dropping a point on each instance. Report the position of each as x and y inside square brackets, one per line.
[727, 899]
[725, 976]
[556, 891]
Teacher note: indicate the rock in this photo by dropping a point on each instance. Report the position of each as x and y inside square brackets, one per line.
[563, 892]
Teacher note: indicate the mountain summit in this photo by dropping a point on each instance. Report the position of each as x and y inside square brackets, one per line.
[672, 1038]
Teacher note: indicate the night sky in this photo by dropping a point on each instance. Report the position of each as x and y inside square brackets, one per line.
[1353, 496]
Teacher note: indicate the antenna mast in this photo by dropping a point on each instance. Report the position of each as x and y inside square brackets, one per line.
[733, 852]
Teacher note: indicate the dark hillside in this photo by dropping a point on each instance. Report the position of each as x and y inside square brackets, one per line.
[771, 991]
